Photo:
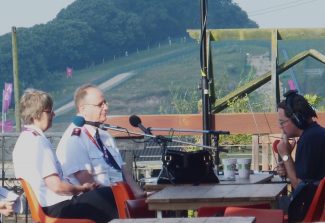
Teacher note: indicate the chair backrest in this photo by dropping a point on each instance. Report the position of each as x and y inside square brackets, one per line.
[316, 208]
[138, 208]
[220, 210]
[37, 212]
[122, 192]
[322, 218]
[261, 215]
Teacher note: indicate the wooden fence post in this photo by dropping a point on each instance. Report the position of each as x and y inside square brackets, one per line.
[265, 152]
[255, 152]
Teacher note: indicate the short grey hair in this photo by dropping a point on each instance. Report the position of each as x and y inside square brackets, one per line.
[32, 103]
[81, 93]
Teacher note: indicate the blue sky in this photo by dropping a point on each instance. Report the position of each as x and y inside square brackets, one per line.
[26, 13]
[285, 13]
[267, 13]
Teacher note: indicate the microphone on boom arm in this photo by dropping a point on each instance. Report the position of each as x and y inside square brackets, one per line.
[135, 121]
[80, 121]
[214, 132]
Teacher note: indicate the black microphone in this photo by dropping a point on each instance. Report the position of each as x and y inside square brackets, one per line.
[135, 121]
[80, 121]
[213, 132]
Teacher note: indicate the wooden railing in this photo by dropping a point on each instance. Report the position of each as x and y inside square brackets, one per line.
[237, 123]
[262, 126]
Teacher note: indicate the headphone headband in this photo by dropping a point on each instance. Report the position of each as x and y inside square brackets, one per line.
[289, 93]
[296, 117]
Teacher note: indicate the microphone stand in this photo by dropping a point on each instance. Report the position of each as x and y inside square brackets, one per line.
[216, 135]
[162, 141]
[190, 130]
[159, 137]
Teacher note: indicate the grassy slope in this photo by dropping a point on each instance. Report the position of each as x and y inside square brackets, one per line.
[157, 71]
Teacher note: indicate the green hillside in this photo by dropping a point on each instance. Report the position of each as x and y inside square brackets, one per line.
[159, 72]
[166, 70]
[90, 32]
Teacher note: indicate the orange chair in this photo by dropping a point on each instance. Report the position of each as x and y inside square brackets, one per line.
[122, 192]
[138, 209]
[261, 215]
[220, 211]
[37, 212]
[316, 208]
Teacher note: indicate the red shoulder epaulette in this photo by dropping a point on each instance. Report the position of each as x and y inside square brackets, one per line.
[76, 132]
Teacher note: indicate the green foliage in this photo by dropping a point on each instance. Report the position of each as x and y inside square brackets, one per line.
[183, 100]
[313, 99]
[238, 139]
[239, 105]
[87, 33]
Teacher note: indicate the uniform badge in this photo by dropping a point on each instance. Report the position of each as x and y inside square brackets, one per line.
[35, 133]
[76, 132]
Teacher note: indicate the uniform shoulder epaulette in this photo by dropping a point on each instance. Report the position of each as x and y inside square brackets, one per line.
[35, 133]
[76, 132]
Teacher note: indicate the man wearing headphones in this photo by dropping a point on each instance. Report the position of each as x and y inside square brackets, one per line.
[296, 120]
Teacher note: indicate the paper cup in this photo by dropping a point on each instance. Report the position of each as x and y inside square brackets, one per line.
[244, 166]
[229, 167]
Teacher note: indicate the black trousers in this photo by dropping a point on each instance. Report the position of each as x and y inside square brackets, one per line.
[97, 205]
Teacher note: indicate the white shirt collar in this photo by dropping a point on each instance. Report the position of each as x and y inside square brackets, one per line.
[91, 129]
[35, 128]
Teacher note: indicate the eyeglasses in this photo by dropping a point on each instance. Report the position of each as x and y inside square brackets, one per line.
[100, 105]
[282, 122]
[49, 111]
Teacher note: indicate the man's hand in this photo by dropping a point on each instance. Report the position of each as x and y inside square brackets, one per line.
[281, 169]
[285, 147]
[6, 207]
[89, 186]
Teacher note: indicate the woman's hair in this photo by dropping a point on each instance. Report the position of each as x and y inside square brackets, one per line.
[80, 94]
[33, 103]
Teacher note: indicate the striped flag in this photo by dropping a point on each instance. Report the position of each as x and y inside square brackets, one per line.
[8, 126]
[6, 97]
[291, 85]
[69, 72]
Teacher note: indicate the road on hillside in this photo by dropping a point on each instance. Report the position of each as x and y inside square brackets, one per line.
[130, 72]
[107, 85]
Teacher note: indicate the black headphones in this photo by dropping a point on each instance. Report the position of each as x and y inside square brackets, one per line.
[296, 117]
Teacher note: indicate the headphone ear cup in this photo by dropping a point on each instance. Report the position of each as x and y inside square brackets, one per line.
[299, 120]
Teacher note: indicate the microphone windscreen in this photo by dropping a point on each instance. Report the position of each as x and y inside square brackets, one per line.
[134, 120]
[78, 121]
[275, 145]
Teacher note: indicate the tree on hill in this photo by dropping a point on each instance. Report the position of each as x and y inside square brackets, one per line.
[86, 32]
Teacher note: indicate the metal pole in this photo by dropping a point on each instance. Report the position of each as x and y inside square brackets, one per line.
[16, 79]
[204, 71]
[3, 113]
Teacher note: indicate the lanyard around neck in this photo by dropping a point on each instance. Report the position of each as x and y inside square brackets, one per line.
[92, 139]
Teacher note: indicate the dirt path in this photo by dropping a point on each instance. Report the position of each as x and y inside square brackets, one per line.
[107, 85]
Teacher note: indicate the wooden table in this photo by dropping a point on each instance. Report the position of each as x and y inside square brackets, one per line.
[193, 197]
[188, 220]
[253, 179]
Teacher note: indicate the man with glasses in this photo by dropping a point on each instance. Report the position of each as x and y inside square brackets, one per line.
[87, 153]
[296, 119]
